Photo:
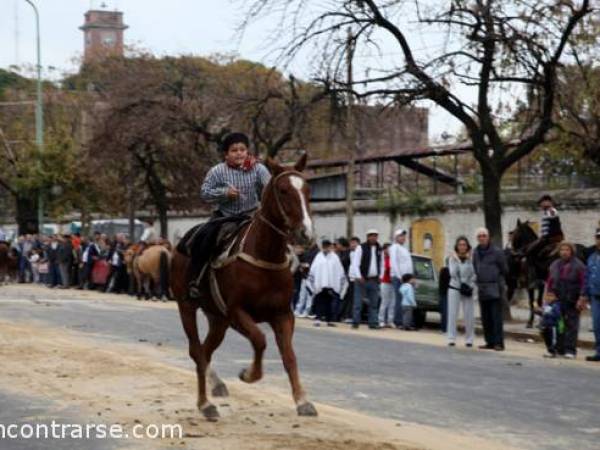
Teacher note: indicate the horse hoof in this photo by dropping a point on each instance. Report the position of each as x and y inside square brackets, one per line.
[247, 378]
[210, 412]
[307, 410]
[220, 390]
[243, 376]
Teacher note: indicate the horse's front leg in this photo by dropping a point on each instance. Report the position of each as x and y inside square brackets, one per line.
[216, 332]
[187, 312]
[244, 324]
[283, 327]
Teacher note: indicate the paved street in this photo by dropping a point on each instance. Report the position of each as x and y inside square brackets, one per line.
[526, 402]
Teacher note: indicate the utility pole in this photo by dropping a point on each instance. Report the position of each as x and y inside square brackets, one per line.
[351, 138]
[39, 116]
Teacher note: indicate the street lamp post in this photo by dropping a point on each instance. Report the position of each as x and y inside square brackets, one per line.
[39, 115]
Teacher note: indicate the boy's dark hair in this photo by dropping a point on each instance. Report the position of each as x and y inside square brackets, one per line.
[407, 277]
[326, 243]
[544, 198]
[234, 138]
[343, 242]
[386, 245]
[355, 239]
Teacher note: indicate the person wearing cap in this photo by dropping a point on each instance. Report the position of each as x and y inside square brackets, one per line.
[592, 294]
[234, 188]
[367, 271]
[551, 233]
[327, 280]
[401, 264]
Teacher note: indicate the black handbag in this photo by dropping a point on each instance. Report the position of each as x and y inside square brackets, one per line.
[465, 290]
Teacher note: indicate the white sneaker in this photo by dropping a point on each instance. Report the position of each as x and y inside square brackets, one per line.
[312, 316]
[569, 356]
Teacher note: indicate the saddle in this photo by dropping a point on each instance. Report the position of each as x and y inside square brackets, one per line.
[213, 246]
[204, 242]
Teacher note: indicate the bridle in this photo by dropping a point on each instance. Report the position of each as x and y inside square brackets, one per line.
[286, 220]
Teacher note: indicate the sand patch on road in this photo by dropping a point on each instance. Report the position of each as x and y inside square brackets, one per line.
[128, 384]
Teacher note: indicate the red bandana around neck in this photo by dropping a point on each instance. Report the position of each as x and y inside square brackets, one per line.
[247, 165]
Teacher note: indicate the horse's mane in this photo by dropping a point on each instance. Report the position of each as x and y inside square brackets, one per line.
[523, 235]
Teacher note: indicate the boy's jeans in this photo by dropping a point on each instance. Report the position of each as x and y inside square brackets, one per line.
[304, 300]
[407, 316]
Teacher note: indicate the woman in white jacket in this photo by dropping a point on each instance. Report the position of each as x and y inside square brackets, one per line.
[461, 291]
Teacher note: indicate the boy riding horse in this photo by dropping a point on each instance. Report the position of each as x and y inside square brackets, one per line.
[551, 230]
[234, 186]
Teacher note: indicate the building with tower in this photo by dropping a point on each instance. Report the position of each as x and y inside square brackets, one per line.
[103, 34]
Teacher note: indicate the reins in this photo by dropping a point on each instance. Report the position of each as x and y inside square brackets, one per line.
[257, 262]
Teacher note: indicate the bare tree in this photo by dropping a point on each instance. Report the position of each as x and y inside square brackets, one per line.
[499, 49]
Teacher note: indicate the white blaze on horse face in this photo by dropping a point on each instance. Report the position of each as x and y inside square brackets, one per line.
[298, 183]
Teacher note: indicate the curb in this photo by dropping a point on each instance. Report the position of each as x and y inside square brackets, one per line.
[525, 335]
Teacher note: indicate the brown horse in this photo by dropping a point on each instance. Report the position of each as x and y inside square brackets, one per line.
[252, 284]
[9, 262]
[151, 267]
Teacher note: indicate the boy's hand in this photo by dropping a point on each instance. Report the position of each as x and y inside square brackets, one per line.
[581, 304]
[233, 192]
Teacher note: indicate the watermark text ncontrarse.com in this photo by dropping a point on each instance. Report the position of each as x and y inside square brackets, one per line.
[55, 430]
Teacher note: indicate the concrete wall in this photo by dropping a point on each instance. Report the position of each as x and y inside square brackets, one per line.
[578, 226]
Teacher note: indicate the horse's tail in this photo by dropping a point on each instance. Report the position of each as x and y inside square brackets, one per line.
[165, 269]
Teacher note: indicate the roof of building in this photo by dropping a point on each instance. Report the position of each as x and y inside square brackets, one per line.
[419, 152]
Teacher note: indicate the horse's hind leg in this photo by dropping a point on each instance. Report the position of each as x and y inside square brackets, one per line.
[283, 327]
[246, 326]
[531, 295]
[216, 333]
[187, 312]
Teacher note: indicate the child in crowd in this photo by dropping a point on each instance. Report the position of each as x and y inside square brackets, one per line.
[552, 327]
[409, 303]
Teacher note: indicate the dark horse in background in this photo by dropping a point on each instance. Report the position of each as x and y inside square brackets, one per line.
[9, 262]
[250, 283]
[529, 264]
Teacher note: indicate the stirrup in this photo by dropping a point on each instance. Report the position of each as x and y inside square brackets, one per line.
[194, 290]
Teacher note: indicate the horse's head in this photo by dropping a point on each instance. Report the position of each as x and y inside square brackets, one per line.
[523, 235]
[286, 201]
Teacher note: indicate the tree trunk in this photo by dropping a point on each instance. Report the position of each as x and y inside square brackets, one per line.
[492, 211]
[27, 219]
[492, 207]
[162, 217]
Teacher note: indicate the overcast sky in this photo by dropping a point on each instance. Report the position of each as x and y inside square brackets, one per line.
[200, 27]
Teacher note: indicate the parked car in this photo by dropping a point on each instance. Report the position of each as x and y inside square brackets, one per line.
[427, 288]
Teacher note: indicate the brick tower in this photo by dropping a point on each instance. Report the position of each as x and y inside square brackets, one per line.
[102, 34]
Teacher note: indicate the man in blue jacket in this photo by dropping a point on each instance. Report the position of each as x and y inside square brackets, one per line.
[592, 293]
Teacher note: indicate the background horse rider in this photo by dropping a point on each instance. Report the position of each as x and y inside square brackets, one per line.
[149, 236]
[551, 233]
[234, 186]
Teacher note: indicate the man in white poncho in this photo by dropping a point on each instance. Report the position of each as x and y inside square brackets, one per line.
[328, 283]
